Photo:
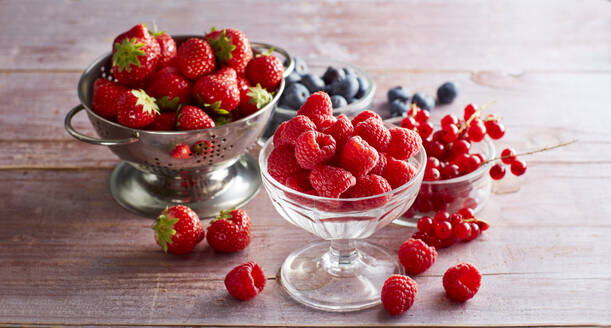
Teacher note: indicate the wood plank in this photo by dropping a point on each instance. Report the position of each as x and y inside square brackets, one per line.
[509, 35]
[97, 263]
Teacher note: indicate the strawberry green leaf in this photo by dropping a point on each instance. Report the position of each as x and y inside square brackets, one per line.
[259, 96]
[216, 107]
[155, 31]
[148, 103]
[222, 120]
[164, 229]
[167, 103]
[127, 54]
[222, 47]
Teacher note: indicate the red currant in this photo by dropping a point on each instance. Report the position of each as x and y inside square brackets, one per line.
[476, 131]
[460, 146]
[518, 167]
[449, 133]
[409, 122]
[437, 136]
[436, 149]
[474, 231]
[472, 163]
[480, 156]
[449, 119]
[462, 230]
[466, 212]
[497, 171]
[441, 216]
[443, 229]
[422, 116]
[508, 155]
[432, 162]
[495, 129]
[450, 171]
[448, 241]
[425, 129]
[425, 224]
[469, 111]
[456, 218]
[483, 225]
[432, 174]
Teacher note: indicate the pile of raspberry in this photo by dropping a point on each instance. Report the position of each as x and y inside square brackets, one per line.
[319, 154]
[445, 229]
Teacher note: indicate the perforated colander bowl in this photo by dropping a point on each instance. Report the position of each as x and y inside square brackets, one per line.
[148, 179]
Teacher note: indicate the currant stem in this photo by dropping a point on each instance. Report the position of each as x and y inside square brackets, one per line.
[474, 115]
[546, 148]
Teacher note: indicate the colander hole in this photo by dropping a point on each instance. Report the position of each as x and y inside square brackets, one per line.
[210, 162]
[223, 140]
[222, 156]
[224, 148]
[157, 159]
[170, 164]
[213, 137]
[230, 146]
[199, 161]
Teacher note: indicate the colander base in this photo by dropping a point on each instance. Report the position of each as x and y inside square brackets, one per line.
[147, 194]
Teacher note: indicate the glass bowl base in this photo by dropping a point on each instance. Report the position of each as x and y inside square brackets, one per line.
[317, 277]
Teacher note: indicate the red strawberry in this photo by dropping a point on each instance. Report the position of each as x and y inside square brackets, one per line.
[195, 58]
[254, 99]
[181, 151]
[105, 97]
[230, 48]
[165, 122]
[167, 46]
[169, 88]
[203, 147]
[243, 84]
[193, 118]
[178, 230]
[230, 232]
[266, 70]
[136, 109]
[135, 56]
[218, 92]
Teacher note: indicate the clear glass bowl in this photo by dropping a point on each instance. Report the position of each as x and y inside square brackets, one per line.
[344, 272]
[318, 66]
[471, 190]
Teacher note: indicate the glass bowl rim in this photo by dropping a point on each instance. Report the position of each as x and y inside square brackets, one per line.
[403, 187]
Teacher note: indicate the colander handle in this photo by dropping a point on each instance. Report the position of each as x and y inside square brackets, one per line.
[94, 141]
[289, 63]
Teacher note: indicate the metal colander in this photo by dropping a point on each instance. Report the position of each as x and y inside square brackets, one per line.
[148, 179]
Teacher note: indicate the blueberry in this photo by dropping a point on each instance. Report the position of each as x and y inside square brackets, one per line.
[398, 93]
[293, 78]
[312, 82]
[423, 101]
[300, 65]
[333, 74]
[349, 71]
[398, 107]
[363, 86]
[346, 88]
[447, 92]
[338, 101]
[294, 96]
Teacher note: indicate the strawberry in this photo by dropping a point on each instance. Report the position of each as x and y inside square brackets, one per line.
[266, 70]
[218, 92]
[178, 230]
[254, 99]
[136, 109]
[203, 147]
[230, 232]
[193, 118]
[165, 122]
[231, 48]
[105, 97]
[167, 46]
[181, 151]
[243, 84]
[169, 88]
[135, 56]
[195, 58]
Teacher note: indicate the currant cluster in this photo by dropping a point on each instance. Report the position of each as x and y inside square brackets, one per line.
[445, 229]
[448, 147]
[508, 157]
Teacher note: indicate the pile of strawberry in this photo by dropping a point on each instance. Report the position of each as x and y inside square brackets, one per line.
[199, 84]
[319, 154]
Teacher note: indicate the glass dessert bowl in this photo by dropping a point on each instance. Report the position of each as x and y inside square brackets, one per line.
[343, 272]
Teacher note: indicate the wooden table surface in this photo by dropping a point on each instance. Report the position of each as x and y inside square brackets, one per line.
[70, 255]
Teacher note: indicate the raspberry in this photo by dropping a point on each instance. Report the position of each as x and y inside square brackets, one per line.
[299, 181]
[380, 165]
[369, 185]
[462, 281]
[281, 163]
[416, 256]
[294, 128]
[404, 143]
[365, 115]
[374, 132]
[358, 156]
[245, 281]
[398, 294]
[329, 181]
[313, 148]
[398, 172]
[317, 107]
[341, 131]
[278, 141]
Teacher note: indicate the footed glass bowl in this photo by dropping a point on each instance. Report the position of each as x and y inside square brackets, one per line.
[343, 272]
